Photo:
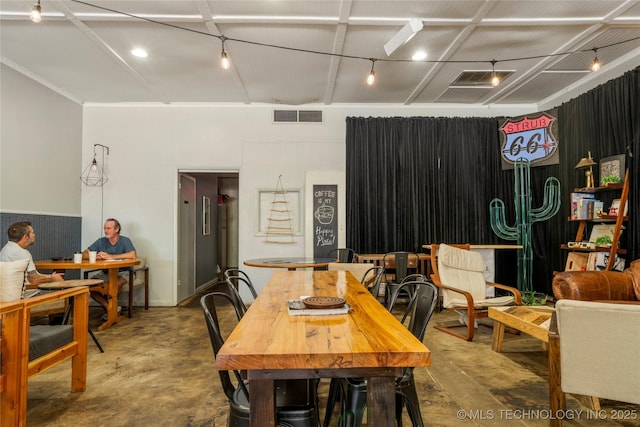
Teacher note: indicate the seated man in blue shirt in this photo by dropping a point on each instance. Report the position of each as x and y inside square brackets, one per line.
[111, 246]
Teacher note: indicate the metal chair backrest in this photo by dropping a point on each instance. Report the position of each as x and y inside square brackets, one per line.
[208, 304]
[342, 254]
[402, 264]
[424, 297]
[229, 272]
[376, 272]
[234, 294]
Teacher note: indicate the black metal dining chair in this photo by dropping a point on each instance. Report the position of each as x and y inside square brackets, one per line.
[342, 254]
[399, 266]
[352, 392]
[372, 279]
[296, 400]
[233, 272]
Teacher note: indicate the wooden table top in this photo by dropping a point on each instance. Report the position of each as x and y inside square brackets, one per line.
[66, 284]
[289, 262]
[49, 264]
[369, 336]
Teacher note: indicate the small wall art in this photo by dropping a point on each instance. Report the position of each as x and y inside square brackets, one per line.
[612, 170]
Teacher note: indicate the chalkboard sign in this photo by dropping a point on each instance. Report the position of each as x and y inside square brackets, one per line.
[325, 219]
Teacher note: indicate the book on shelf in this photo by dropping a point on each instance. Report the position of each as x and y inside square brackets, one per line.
[602, 234]
[577, 204]
[586, 209]
[598, 262]
[297, 308]
[598, 209]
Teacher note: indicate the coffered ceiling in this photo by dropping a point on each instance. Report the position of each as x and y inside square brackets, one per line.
[297, 52]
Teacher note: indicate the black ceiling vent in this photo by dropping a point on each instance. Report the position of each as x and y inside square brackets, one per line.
[479, 78]
[301, 116]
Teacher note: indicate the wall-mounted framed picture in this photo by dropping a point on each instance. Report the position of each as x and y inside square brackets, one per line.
[206, 216]
[612, 170]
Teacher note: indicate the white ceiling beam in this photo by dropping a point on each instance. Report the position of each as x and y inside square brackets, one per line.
[111, 53]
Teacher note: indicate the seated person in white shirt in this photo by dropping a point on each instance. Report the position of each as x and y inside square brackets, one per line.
[21, 236]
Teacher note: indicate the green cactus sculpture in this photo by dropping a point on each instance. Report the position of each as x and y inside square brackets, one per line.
[525, 217]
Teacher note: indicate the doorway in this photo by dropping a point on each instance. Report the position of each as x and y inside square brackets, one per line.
[186, 236]
[207, 227]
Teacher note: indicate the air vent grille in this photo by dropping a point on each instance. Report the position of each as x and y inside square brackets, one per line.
[301, 116]
[479, 78]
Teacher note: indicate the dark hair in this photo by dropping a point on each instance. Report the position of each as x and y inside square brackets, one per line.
[18, 230]
[116, 223]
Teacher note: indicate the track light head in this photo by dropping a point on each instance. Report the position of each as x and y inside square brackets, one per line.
[36, 13]
[405, 34]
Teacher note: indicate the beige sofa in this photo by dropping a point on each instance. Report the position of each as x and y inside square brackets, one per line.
[593, 351]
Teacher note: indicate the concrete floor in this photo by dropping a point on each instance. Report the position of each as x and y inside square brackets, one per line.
[158, 370]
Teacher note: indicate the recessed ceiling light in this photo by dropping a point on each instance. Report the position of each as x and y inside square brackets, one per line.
[419, 55]
[140, 53]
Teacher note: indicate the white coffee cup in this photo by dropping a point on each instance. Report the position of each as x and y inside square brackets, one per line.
[92, 256]
[77, 258]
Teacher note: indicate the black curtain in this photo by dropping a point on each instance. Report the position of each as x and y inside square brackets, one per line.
[418, 180]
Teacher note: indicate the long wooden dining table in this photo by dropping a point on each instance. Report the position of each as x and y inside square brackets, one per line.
[367, 342]
[110, 289]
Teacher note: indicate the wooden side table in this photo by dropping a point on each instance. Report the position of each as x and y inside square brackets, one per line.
[533, 321]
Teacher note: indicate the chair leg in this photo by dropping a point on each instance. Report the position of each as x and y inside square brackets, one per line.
[410, 399]
[132, 276]
[334, 396]
[355, 405]
[146, 288]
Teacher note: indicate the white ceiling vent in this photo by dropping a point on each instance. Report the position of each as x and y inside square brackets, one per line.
[301, 116]
[478, 78]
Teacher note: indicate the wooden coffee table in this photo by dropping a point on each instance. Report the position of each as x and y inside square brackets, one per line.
[533, 321]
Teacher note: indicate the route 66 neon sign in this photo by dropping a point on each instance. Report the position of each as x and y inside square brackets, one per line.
[528, 138]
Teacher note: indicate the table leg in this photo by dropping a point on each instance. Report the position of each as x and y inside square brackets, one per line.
[498, 336]
[262, 403]
[112, 301]
[381, 401]
[65, 320]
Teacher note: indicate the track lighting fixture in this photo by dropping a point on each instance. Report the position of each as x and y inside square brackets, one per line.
[36, 13]
[595, 66]
[495, 80]
[371, 78]
[224, 58]
[405, 34]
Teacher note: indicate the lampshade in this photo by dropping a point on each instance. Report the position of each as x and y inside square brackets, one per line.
[93, 175]
[585, 162]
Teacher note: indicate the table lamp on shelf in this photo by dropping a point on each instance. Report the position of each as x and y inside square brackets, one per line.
[587, 163]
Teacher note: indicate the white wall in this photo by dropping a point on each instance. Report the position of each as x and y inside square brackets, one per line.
[149, 144]
[40, 148]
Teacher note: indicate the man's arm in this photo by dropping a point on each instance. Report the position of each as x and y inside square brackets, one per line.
[36, 278]
[126, 255]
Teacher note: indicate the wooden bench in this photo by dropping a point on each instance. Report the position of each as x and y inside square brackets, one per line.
[29, 350]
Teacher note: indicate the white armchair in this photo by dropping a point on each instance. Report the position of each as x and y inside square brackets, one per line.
[593, 351]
